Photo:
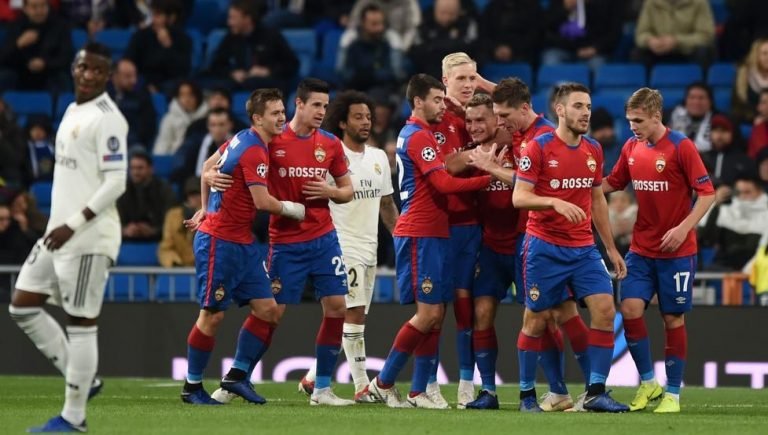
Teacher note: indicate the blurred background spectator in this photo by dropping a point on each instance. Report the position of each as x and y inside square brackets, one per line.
[694, 116]
[622, 214]
[758, 140]
[675, 31]
[726, 160]
[175, 248]
[15, 244]
[505, 31]
[26, 214]
[601, 126]
[220, 129]
[40, 148]
[12, 166]
[187, 106]
[402, 16]
[751, 78]
[135, 103]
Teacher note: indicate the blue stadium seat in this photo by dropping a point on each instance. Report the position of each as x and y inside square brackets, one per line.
[198, 41]
[290, 105]
[672, 96]
[184, 288]
[481, 5]
[116, 39]
[540, 101]
[206, 16]
[613, 103]
[29, 102]
[746, 130]
[212, 43]
[721, 75]
[79, 38]
[161, 105]
[163, 165]
[678, 75]
[325, 67]
[550, 75]
[62, 102]
[384, 289]
[303, 42]
[619, 77]
[41, 191]
[723, 100]
[138, 254]
[118, 288]
[497, 71]
[238, 105]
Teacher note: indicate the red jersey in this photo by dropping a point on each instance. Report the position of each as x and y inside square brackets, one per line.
[296, 160]
[663, 176]
[558, 170]
[520, 139]
[231, 213]
[451, 136]
[498, 215]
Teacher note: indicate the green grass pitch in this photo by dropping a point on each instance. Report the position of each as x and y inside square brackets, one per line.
[152, 406]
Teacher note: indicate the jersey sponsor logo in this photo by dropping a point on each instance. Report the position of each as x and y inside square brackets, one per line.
[426, 286]
[280, 153]
[377, 168]
[574, 183]
[113, 144]
[703, 179]
[554, 183]
[497, 185]
[67, 162]
[525, 163]
[650, 185]
[320, 154]
[261, 170]
[428, 154]
[367, 193]
[553, 163]
[439, 137]
[591, 163]
[113, 158]
[302, 172]
[660, 163]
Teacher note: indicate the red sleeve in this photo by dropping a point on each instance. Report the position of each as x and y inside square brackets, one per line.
[422, 149]
[530, 163]
[694, 170]
[338, 166]
[600, 162]
[255, 164]
[444, 183]
[619, 176]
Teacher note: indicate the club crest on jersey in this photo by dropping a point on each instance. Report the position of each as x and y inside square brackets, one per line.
[262, 170]
[320, 154]
[428, 154]
[426, 286]
[276, 286]
[591, 163]
[660, 163]
[219, 294]
[525, 163]
[377, 168]
[439, 137]
[631, 161]
[534, 293]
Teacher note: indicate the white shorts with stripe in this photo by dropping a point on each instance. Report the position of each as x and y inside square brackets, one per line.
[75, 282]
[360, 281]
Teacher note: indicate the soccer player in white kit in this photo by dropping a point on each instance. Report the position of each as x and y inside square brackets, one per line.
[349, 117]
[69, 265]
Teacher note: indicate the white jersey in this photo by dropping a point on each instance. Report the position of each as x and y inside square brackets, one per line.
[357, 222]
[90, 141]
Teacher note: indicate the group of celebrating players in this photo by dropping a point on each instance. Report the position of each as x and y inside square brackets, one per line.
[491, 194]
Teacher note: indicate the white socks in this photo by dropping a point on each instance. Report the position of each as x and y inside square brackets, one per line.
[44, 332]
[83, 361]
[353, 341]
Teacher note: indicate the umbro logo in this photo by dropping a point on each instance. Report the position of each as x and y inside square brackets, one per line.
[280, 153]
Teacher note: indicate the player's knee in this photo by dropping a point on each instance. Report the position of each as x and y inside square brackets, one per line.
[534, 324]
[484, 314]
[209, 321]
[672, 321]
[355, 315]
[632, 308]
[603, 312]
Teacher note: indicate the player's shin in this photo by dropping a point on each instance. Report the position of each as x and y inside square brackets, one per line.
[327, 348]
[199, 347]
[600, 356]
[675, 352]
[528, 349]
[406, 341]
[425, 358]
[551, 360]
[253, 341]
[578, 336]
[486, 353]
[353, 341]
[639, 347]
[44, 332]
[81, 369]
[462, 308]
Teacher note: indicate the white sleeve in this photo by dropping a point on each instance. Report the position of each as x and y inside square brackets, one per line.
[387, 174]
[112, 153]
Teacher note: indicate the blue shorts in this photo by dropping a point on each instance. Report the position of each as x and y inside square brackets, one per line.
[421, 264]
[495, 273]
[670, 278]
[290, 264]
[228, 271]
[550, 270]
[463, 250]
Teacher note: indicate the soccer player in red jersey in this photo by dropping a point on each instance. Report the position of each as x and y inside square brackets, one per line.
[229, 266]
[664, 169]
[421, 243]
[558, 180]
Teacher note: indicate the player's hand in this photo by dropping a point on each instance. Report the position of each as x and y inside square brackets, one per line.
[27, 38]
[571, 212]
[673, 239]
[483, 160]
[58, 237]
[194, 222]
[618, 263]
[318, 188]
[218, 181]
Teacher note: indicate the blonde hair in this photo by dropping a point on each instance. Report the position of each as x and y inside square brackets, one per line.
[750, 63]
[455, 59]
[648, 100]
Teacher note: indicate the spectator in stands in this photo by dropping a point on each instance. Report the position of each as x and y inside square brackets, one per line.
[506, 32]
[448, 29]
[216, 98]
[734, 229]
[751, 78]
[88, 14]
[402, 16]
[252, 55]
[745, 23]
[727, 159]
[602, 129]
[135, 103]
[26, 214]
[581, 31]
[186, 107]
[162, 52]
[37, 51]
[694, 116]
[758, 139]
[675, 31]
[143, 205]
[757, 269]
[14, 243]
[762, 167]
[40, 148]
[13, 171]
[373, 60]
[175, 249]
[622, 214]
[383, 131]
[220, 130]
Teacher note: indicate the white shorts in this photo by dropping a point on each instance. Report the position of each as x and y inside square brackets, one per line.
[360, 281]
[75, 282]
